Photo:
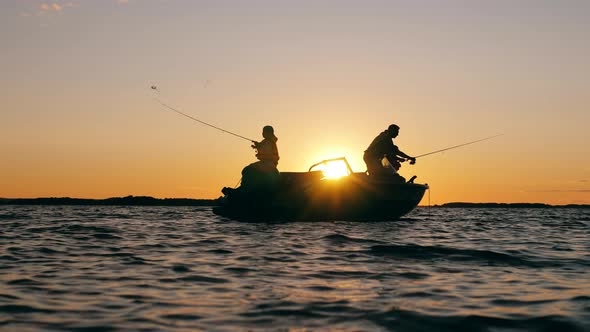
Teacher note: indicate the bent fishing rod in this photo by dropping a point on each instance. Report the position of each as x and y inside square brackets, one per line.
[458, 146]
[153, 87]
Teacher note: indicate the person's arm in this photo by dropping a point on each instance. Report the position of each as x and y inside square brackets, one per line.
[399, 153]
[402, 154]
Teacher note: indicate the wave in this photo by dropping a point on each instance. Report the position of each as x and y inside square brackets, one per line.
[413, 321]
[15, 216]
[343, 238]
[349, 315]
[181, 316]
[23, 309]
[77, 228]
[195, 278]
[454, 254]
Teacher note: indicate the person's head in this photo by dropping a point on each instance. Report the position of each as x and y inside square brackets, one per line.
[268, 132]
[393, 130]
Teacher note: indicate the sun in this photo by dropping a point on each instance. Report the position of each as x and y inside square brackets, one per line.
[335, 170]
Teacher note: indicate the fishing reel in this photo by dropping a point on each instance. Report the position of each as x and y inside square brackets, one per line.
[411, 160]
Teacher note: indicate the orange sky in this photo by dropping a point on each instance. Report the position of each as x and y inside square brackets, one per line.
[78, 118]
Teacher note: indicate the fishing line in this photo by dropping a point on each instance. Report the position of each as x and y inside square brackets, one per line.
[195, 119]
[458, 146]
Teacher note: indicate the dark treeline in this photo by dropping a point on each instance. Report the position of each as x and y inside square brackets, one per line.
[122, 201]
[508, 205]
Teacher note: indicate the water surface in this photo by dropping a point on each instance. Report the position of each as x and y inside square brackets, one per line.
[76, 268]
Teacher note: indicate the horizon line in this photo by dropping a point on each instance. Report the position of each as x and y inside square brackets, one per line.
[133, 197]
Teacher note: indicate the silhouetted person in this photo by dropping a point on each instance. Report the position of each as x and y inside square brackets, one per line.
[266, 150]
[262, 176]
[383, 147]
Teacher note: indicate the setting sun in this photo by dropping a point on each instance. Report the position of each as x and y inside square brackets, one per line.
[335, 169]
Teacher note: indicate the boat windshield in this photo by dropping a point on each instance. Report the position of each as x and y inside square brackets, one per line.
[333, 168]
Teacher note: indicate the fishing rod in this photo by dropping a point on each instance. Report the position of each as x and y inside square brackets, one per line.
[153, 87]
[458, 146]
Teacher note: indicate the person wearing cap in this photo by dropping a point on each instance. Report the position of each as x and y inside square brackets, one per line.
[382, 147]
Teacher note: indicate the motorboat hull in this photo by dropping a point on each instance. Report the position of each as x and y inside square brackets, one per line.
[307, 197]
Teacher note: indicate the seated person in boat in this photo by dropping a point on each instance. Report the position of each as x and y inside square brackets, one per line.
[266, 150]
[383, 147]
[263, 175]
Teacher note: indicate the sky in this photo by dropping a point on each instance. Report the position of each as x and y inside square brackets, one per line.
[78, 117]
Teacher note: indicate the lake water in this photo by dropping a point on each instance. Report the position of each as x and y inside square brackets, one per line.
[80, 268]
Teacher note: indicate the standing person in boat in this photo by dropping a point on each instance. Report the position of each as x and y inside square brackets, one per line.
[383, 147]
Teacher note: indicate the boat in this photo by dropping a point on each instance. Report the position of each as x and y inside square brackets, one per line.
[315, 196]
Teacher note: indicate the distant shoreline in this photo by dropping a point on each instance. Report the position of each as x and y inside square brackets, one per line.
[114, 201]
[151, 201]
[509, 205]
